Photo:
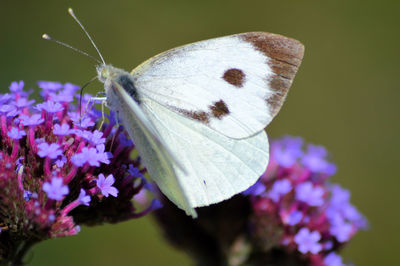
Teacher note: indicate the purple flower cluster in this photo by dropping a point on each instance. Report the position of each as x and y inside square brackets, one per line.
[292, 216]
[308, 213]
[57, 170]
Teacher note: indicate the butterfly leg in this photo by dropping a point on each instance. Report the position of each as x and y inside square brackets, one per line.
[103, 103]
[117, 128]
[91, 103]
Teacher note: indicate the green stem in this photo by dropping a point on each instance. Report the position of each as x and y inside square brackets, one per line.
[17, 257]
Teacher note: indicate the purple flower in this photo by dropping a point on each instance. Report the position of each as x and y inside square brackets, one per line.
[16, 87]
[309, 194]
[292, 205]
[353, 215]
[280, 188]
[52, 151]
[125, 141]
[314, 159]
[84, 123]
[84, 134]
[105, 185]
[87, 155]
[77, 132]
[288, 151]
[134, 171]
[23, 102]
[61, 130]
[339, 196]
[60, 162]
[27, 195]
[97, 138]
[55, 190]
[308, 241]
[43, 169]
[71, 88]
[62, 97]
[341, 230]
[40, 140]
[83, 198]
[156, 204]
[9, 110]
[34, 120]
[102, 155]
[294, 218]
[5, 108]
[257, 189]
[332, 259]
[339, 206]
[92, 157]
[50, 107]
[74, 116]
[78, 159]
[4, 98]
[50, 85]
[15, 133]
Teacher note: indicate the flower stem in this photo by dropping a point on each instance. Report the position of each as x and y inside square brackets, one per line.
[16, 258]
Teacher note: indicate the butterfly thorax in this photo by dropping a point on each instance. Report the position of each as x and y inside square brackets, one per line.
[112, 77]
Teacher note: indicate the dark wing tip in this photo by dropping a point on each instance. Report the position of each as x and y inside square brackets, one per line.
[284, 58]
[276, 46]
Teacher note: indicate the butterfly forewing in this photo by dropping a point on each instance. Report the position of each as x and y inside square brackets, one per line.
[234, 84]
[157, 157]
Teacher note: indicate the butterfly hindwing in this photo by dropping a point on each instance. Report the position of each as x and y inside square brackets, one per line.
[217, 167]
[234, 84]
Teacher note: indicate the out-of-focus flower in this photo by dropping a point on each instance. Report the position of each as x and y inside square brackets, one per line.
[292, 216]
[332, 259]
[55, 190]
[49, 164]
[308, 241]
[16, 134]
[49, 150]
[61, 130]
[106, 185]
[306, 192]
[84, 198]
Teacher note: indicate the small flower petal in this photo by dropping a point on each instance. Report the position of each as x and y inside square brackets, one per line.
[55, 189]
[49, 150]
[83, 198]
[15, 133]
[105, 185]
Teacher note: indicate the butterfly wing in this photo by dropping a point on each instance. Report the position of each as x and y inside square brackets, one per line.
[207, 104]
[158, 159]
[234, 84]
[217, 167]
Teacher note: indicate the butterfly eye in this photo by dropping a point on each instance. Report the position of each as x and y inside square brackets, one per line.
[104, 73]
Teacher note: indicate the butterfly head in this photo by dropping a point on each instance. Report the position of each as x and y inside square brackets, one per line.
[106, 72]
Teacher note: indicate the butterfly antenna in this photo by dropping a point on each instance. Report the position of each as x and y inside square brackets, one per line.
[71, 12]
[48, 38]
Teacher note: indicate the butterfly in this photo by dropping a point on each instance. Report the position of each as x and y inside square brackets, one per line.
[197, 113]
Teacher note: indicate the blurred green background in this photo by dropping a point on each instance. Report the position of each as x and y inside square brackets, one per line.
[345, 96]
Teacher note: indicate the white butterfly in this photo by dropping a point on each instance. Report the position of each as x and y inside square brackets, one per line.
[197, 113]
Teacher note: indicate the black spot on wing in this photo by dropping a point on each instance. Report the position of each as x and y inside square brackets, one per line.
[216, 110]
[219, 109]
[234, 76]
[196, 115]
